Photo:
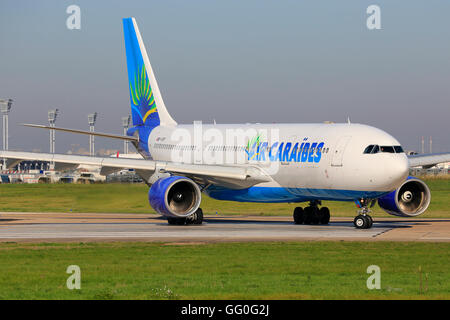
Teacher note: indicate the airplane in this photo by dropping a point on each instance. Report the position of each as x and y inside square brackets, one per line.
[282, 163]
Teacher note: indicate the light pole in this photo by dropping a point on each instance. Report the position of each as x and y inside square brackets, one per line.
[5, 107]
[91, 119]
[52, 114]
[431, 145]
[125, 124]
[423, 145]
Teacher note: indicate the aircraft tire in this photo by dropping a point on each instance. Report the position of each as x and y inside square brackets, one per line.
[315, 215]
[299, 215]
[370, 221]
[176, 221]
[198, 216]
[362, 222]
[309, 215]
[324, 214]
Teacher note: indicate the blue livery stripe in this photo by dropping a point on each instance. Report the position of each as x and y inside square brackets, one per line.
[274, 194]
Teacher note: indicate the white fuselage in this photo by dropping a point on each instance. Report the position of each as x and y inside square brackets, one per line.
[333, 166]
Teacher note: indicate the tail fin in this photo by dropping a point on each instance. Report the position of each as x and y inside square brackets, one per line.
[147, 105]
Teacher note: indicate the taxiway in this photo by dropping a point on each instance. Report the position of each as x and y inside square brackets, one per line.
[37, 227]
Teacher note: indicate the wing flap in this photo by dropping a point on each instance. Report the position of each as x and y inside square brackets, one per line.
[104, 171]
[11, 163]
[60, 166]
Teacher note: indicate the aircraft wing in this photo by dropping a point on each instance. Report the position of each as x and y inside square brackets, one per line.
[428, 160]
[236, 177]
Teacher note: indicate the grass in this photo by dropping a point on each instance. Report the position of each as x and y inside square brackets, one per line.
[262, 270]
[132, 198]
[306, 270]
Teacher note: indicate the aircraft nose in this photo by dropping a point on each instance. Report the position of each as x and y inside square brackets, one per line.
[398, 170]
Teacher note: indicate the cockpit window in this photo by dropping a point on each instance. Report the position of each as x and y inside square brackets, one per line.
[369, 149]
[388, 149]
[374, 148]
[398, 149]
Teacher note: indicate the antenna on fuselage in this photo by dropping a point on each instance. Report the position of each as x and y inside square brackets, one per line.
[348, 120]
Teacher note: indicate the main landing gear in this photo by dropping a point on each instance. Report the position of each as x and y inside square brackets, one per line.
[195, 218]
[312, 214]
[363, 220]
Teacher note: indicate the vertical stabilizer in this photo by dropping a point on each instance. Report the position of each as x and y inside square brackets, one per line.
[147, 105]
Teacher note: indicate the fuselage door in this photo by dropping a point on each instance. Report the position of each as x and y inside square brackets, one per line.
[338, 153]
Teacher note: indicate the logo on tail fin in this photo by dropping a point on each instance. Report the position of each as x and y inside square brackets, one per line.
[142, 98]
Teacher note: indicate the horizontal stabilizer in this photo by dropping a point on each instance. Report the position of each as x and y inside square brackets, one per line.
[99, 134]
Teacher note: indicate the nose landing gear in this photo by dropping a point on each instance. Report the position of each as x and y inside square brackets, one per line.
[363, 220]
[312, 214]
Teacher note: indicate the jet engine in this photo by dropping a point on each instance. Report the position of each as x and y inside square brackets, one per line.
[174, 196]
[409, 200]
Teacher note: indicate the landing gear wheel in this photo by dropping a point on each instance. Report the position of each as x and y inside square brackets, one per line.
[199, 216]
[196, 217]
[299, 215]
[362, 222]
[315, 215]
[176, 221]
[311, 215]
[324, 214]
[370, 221]
[308, 214]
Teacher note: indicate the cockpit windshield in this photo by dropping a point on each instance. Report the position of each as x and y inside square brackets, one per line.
[374, 148]
[369, 149]
[387, 149]
[398, 149]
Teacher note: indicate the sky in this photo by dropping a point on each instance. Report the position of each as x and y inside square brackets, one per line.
[233, 61]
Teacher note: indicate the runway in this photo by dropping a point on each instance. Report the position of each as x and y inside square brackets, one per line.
[39, 227]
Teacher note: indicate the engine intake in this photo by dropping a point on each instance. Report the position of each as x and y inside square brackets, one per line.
[411, 199]
[175, 196]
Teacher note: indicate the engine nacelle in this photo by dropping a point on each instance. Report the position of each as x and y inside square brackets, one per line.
[411, 199]
[175, 196]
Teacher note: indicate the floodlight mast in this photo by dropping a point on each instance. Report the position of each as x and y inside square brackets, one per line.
[126, 125]
[5, 108]
[91, 119]
[52, 115]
